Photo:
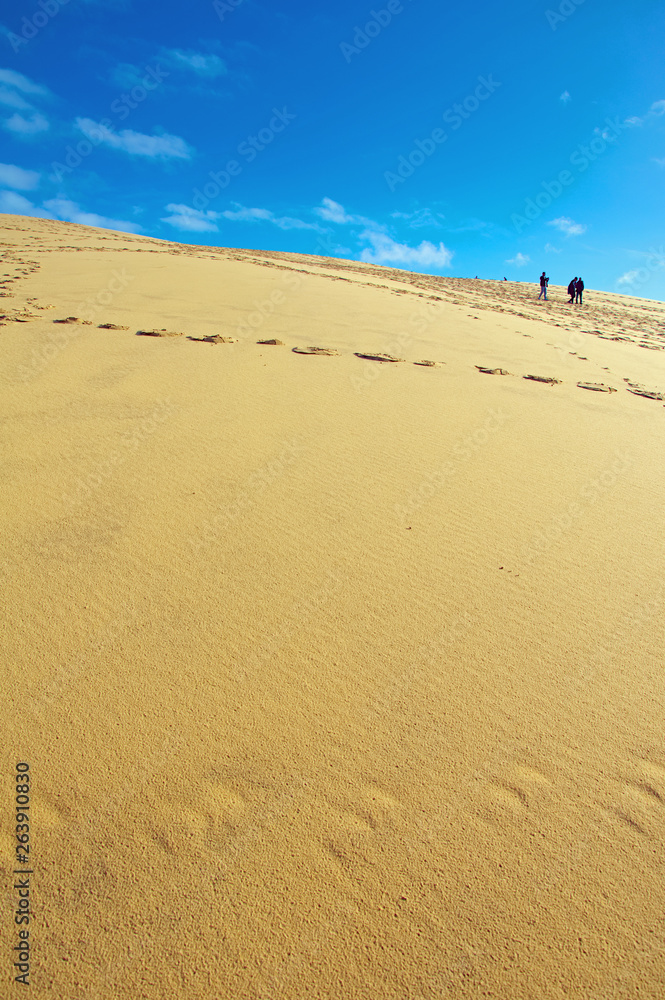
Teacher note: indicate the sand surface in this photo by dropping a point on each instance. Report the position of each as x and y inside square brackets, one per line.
[337, 677]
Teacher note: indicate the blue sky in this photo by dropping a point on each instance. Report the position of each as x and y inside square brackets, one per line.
[456, 140]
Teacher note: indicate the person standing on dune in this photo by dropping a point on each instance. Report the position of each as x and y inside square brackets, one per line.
[579, 288]
[572, 287]
[543, 286]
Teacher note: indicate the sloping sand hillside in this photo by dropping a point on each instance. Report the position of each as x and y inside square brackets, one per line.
[336, 677]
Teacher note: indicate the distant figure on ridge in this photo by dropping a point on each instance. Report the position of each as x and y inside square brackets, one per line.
[579, 288]
[572, 288]
[543, 286]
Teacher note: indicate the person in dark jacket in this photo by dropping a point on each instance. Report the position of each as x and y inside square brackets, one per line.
[571, 289]
[543, 286]
[579, 288]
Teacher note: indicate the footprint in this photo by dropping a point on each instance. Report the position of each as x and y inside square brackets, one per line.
[596, 386]
[111, 326]
[430, 364]
[158, 333]
[629, 821]
[272, 343]
[543, 378]
[647, 393]
[316, 350]
[216, 338]
[646, 792]
[377, 357]
[492, 371]
[510, 794]
[532, 775]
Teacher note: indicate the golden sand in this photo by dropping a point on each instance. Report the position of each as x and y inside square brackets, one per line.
[336, 678]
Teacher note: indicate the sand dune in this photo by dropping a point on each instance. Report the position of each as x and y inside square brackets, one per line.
[336, 678]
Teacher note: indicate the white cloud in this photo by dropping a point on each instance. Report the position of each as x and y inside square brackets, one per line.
[191, 219]
[567, 226]
[27, 126]
[634, 121]
[22, 83]
[551, 249]
[209, 66]
[519, 260]
[471, 225]
[423, 217]
[127, 75]
[657, 108]
[12, 203]
[565, 97]
[163, 147]
[332, 211]
[248, 214]
[384, 250]
[660, 162]
[12, 99]
[242, 214]
[17, 177]
[69, 211]
[628, 278]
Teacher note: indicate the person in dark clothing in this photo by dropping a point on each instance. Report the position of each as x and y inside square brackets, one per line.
[571, 289]
[543, 286]
[579, 288]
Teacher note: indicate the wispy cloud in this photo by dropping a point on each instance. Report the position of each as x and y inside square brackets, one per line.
[126, 75]
[162, 147]
[12, 203]
[242, 214]
[568, 226]
[191, 219]
[15, 88]
[69, 211]
[20, 82]
[33, 125]
[385, 250]
[332, 211]
[209, 66]
[565, 97]
[18, 178]
[519, 260]
[551, 249]
[421, 219]
[628, 278]
[12, 99]
[657, 110]
[381, 248]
